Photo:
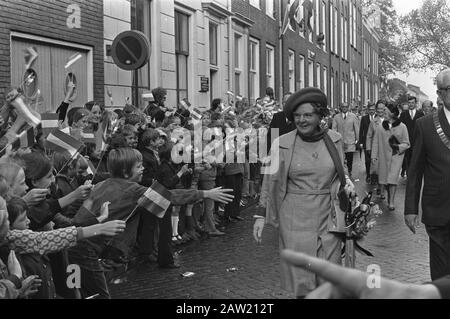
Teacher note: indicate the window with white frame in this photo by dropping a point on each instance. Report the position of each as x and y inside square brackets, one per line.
[317, 16]
[141, 21]
[213, 51]
[301, 68]
[255, 3]
[318, 75]
[346, 37]
[332, 91]
[376, 89]
[310, 73]
[238, 63]
[347, 88]
[324, 25]
[352, 85]
[270, 66]
[366, 55]
[355, 24]
[351, 24]
[325, 80]
[375, 63]
[291, 71]
[359, 87]
[181, 54]
[336, 31]
[342, 37]
[366, 90]
[254, 70]
[313, 26]
[332, 39]
[269, 8]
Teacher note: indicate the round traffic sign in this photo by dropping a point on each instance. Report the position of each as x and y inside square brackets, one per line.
[130, 50]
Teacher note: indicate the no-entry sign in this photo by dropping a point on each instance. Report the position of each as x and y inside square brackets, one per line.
[130, 50]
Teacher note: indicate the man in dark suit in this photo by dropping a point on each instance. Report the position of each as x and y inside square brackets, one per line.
[280, 122]
[363, 129]
[430, 161]
[409, 118]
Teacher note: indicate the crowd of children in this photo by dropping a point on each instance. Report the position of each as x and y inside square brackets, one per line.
[61, 208]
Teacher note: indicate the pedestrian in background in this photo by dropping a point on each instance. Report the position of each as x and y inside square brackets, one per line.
[388, 150]
[363, 129]
[409, 118]
[347, 124]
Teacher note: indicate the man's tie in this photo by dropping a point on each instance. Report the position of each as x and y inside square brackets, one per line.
[345, 116]
[411, 114]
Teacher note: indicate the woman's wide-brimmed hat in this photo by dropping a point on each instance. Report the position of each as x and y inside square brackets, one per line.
[305, 95]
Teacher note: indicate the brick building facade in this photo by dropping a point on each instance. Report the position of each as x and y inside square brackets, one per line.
[229, 45]
[57, 30]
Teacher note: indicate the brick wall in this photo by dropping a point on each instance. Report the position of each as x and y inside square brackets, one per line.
[47, 18]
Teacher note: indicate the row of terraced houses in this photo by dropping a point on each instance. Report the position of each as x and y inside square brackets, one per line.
[199, 49]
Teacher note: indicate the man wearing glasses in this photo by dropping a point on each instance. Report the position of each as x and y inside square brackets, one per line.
[430, 161]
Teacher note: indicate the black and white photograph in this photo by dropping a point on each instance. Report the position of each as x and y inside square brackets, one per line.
[225, 156]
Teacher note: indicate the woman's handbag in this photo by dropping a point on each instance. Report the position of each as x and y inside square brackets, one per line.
[344, 200]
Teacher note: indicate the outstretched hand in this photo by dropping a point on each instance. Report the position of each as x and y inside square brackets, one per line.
[219, 195]
[351, 283]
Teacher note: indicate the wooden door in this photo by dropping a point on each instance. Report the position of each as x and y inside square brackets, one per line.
[50, 73]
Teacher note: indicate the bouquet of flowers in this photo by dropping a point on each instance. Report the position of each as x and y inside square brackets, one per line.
[363, 217]
[360, 219]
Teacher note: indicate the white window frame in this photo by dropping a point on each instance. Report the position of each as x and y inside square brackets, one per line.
[216, 26]
[336, 32]
[324, 24]
[332, 40]
[366, 89]
[238, 69]
[325, 80]
[302, 73]
[332, 90]
[291, 71]
[318, 74]
[342, 37]
[255, 3]
[310, 73]
[270, 6]
[376, 92]
[355, 27]
[254, 71]
[270, 70]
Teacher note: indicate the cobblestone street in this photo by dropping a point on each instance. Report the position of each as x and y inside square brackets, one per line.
[400, 255]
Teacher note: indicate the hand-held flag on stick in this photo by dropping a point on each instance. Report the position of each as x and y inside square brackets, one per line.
[49, 123]
[88, 136]
[91, 170]
[156, 200]
[60, 141]
[196, 114]
[30, 57]
[108, 91]
[74, 58]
